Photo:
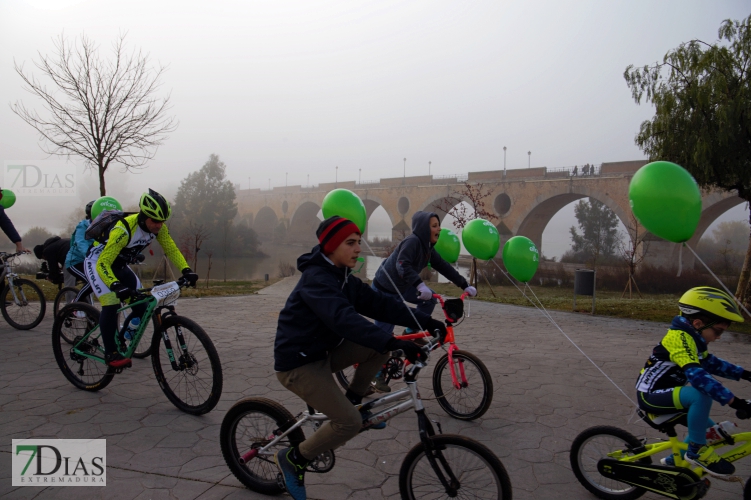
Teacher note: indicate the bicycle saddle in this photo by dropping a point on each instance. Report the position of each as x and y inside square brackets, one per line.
[664, 423]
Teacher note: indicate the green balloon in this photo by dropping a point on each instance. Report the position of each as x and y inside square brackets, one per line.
[8, 198]
[345, 203]
[666, 200]
[104, 203]
[481, 239]
[521, 258]
[448, 245]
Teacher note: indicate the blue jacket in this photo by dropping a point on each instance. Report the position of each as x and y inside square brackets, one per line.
[8, 228]
[411, 256]
[325, 308]
[79, 245]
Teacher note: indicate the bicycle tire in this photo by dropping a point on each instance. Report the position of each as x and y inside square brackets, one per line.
[589, 447]
[481, 471]
[747, 490]
[61, 300]
[466, 403]
[24, 315]
[247, 425]
[182, 386]
[91, 375]
[344, 376]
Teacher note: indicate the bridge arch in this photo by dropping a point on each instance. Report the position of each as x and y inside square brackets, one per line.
[534, 220]
[304, 218]
[265, 222]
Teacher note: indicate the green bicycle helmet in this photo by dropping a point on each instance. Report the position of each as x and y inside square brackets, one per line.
[713, 302]
[155, 206]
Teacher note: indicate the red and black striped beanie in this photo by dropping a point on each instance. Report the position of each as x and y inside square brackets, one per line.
[333, 231]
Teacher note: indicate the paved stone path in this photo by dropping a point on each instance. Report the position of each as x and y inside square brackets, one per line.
[546, 392]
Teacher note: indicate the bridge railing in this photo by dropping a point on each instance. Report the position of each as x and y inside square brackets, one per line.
[440, 179]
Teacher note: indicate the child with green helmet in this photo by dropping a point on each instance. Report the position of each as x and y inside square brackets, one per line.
[681, 357]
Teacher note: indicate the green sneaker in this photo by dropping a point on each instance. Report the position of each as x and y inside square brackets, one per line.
[708, 460]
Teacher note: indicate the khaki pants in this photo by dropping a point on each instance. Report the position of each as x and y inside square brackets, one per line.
[315, 385]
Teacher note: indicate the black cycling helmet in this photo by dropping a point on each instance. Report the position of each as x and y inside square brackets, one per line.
[154, 206]
[88, 209]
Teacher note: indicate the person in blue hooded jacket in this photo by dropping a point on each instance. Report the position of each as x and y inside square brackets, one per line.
[79, 246]
[401, 271]
[321, 330]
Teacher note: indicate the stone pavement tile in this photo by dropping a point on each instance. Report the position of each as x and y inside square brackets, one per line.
[545, 394]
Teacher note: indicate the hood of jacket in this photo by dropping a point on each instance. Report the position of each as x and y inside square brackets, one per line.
[421, 226]
[316, 258]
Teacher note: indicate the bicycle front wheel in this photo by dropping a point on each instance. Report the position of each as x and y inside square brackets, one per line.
[472, 399]
[71, 330]
[469, 469]
[251, 424]
[22, 305]
[193, 381]
[600, 442]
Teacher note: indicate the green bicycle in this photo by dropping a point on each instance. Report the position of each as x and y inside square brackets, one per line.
[614, 465]
[184, 359]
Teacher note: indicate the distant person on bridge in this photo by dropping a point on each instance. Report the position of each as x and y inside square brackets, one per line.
[585, 169]
[400, 272]
[576, 170]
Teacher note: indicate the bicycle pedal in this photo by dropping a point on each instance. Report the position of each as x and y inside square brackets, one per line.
[280, 481]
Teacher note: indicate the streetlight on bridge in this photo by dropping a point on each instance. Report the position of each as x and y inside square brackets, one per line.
[504, 162]
[429, 163]
[359, 177]
[404, 175]
[529, 161]
[336, 179]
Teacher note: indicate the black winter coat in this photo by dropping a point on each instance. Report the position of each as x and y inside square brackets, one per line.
[325, 308]
[411, 256]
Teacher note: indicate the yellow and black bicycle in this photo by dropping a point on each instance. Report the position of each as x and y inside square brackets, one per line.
[614, 465]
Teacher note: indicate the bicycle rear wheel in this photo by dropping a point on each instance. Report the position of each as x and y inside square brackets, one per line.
[470, 469]
[24, 305]
[194, 383]
[600, 442]
[248, 425]
[474, 396]
[65, 296]
[74, 322]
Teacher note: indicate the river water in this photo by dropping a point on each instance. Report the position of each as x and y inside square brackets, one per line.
[255, 268]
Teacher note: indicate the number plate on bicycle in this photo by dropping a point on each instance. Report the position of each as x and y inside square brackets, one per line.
[166, 294]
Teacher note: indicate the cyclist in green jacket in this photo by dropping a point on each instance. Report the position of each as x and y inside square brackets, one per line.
[683, 357]
[107, 270]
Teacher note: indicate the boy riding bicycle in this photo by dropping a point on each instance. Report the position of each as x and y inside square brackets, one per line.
[320, 331]
[109, 275]
[682, 357]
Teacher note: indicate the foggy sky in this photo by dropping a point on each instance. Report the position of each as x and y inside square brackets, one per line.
[301, 87]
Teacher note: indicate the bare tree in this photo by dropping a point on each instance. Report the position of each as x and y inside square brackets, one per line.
[633, 249]
[191, 240]
[474, 195]
[102, 110]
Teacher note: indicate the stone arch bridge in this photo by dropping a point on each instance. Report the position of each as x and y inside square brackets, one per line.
[524, 200]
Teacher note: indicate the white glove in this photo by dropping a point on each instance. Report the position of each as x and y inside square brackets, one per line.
[472, 291]
[425, 293]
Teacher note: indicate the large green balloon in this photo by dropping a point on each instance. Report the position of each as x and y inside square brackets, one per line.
[521, 258]
[104, 203]
[481, 239]
[345, 203]
[448, 246]
[8, 198]
[666, 200]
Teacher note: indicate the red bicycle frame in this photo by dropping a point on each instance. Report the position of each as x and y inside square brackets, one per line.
[450, 340]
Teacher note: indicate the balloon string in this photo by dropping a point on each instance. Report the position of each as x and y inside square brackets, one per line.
[718, 280]
[680, 261]
[394, 285]
[545, 313]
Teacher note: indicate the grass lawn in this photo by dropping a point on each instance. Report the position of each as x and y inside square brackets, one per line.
[216, 288]
[652, 307]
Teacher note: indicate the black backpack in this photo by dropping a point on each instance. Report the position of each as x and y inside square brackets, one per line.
[99, 229]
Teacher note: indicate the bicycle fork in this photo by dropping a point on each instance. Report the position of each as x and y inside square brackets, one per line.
[454, 379]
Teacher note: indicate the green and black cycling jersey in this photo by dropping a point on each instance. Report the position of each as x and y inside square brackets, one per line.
[119, 249]
[682, 357]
